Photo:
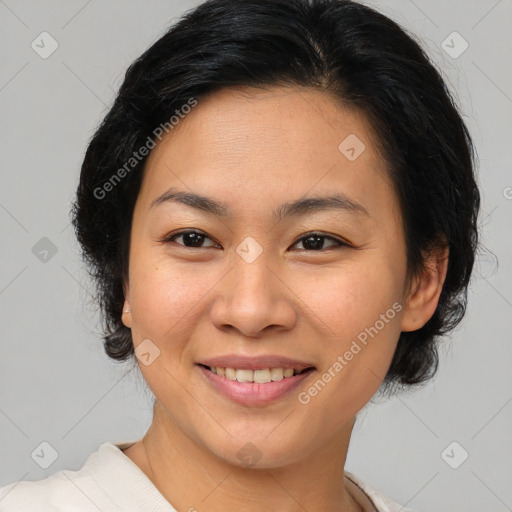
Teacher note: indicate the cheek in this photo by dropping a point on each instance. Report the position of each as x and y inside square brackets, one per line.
[349, 301]
[361, 311]
[361, 308]
[358, 352]
[163, 299]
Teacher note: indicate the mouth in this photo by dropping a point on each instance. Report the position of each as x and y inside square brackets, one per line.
[254, 387]
[259, 376]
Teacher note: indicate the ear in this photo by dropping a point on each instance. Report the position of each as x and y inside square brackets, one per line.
[127, 309]
[425, 289]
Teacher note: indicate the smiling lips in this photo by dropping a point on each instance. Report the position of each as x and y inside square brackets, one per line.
[254, 381]
[259, 376]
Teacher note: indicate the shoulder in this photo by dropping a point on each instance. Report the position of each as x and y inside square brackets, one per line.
[380, 501]
[58, 491]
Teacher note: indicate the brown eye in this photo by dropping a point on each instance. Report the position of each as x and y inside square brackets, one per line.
[311, 242]
[192, 239]
[316, 241]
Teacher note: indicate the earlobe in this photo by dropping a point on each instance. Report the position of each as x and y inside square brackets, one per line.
[425, 290]
[127, 314]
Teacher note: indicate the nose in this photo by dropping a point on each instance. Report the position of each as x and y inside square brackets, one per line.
[253, 300]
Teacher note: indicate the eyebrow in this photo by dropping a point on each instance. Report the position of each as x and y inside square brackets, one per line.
[338, 201]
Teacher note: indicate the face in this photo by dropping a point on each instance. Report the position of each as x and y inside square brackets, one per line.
[262, 276]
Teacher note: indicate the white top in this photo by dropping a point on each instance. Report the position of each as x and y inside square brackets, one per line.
[111, 482]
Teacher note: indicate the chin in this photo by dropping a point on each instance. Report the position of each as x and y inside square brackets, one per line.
[259, 452]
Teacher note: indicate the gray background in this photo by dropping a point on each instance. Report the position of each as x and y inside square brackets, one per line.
[56, 384]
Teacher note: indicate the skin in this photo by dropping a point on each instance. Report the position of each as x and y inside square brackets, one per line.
[254, 150]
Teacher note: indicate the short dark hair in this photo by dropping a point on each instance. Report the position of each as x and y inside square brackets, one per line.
[341, 47]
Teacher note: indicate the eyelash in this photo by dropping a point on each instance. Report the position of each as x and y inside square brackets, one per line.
[340, 243]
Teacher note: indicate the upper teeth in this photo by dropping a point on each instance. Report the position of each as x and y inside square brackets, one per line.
[258, 376]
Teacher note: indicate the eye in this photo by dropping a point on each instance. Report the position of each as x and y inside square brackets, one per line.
[191, 238]
[315, 242]
[194, 239]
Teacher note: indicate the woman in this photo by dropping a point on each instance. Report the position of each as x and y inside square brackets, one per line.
[280, 214]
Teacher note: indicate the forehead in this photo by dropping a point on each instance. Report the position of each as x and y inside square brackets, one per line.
[247, 146]
[281, 121]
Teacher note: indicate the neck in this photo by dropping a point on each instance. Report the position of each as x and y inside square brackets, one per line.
[192, 478]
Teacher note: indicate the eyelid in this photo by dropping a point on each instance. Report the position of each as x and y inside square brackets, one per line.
[169, 238]
[339, 241]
